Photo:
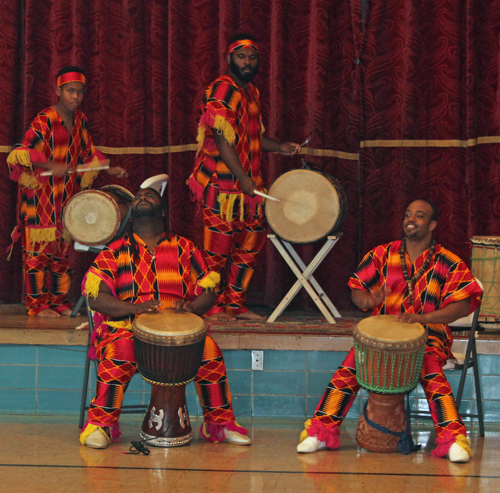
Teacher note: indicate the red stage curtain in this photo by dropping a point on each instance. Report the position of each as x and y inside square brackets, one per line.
[148, 63]
[430, 73]
[421, 107]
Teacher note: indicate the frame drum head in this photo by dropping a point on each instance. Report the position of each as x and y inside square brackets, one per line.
[169, 328]
[310, 206]
[91, 217]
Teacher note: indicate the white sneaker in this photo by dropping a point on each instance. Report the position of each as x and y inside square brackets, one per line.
[310, 445]
[97, 439]
[458, 454]
[235, 438]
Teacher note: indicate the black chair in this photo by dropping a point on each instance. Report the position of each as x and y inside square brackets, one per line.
[466, 325]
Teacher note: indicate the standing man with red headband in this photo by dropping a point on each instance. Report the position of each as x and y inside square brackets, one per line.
[56, 141]
[227, 173]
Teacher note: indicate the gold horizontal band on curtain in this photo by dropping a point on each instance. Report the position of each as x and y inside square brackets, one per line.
[493, 139]
[193, 147]
[352, 156]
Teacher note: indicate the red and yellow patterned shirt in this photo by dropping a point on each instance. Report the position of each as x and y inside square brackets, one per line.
[42, 198]
[175, 270]
[446, 280]
[235, 114]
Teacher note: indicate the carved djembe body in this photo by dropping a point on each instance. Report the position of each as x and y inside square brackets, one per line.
[389, 357]
[168, 349]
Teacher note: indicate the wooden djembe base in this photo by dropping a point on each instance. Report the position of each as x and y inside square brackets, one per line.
[385, 410]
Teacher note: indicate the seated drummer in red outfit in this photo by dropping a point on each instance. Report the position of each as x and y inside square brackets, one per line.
[420, 281]
[151, 269]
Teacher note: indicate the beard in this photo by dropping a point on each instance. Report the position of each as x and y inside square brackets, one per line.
[153, 211]
[243, 76]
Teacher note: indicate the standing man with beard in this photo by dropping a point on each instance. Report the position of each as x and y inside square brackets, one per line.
[227, 173]
[151, 269]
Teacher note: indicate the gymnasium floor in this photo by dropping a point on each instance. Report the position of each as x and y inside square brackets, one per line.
[43, 455]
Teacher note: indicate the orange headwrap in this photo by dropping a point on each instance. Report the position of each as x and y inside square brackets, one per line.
[243, 43]
[70, 77]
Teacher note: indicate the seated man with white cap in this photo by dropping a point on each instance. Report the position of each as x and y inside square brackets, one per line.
[148, 269]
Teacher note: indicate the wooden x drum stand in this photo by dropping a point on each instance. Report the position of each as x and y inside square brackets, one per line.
[305, 206]
[305, 277]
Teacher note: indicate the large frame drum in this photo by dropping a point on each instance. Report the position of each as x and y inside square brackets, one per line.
[311, 205]
[168, 349]
[93, 217]
[389, 356]
[486, 268]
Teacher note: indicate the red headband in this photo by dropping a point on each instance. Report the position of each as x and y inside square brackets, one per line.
[70, 77]
[243, 43]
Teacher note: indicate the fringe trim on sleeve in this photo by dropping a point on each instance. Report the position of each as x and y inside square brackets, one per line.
[20, 156]
[200, 138]
[222, 126]
[92, 284]
[24, 176]
[89, 176]
[210, 281]
[225, 129]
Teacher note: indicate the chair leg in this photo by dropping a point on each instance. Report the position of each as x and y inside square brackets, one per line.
[79, 304]
[85, 385]
[477, 384]
[86, 372]
[463, 376]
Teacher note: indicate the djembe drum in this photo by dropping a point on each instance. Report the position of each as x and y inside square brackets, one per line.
[311, 205]
[168, 350]
[93, 217]
[486, 268]
[388, 357]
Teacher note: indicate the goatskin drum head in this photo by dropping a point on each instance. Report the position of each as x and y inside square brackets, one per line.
[309, 206]
[91, 217]
[169, 328]
[386, 330]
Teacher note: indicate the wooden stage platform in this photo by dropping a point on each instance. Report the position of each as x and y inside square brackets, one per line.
[294, 330]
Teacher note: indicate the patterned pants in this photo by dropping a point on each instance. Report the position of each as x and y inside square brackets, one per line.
[231, 249]
[116, 356]
[47, 277]
[342, 389]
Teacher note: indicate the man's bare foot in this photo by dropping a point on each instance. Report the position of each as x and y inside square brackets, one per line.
[67, 312]
[48, 313]
[221, 317]
[250, 315]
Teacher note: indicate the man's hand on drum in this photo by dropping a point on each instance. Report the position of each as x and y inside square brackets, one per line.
[411, 318]
[182, 306]
[147, 306]
[289, 148]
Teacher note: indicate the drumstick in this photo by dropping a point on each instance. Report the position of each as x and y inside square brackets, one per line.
[82, 170]
[97, 168]
[305, 142]
[268, 197]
